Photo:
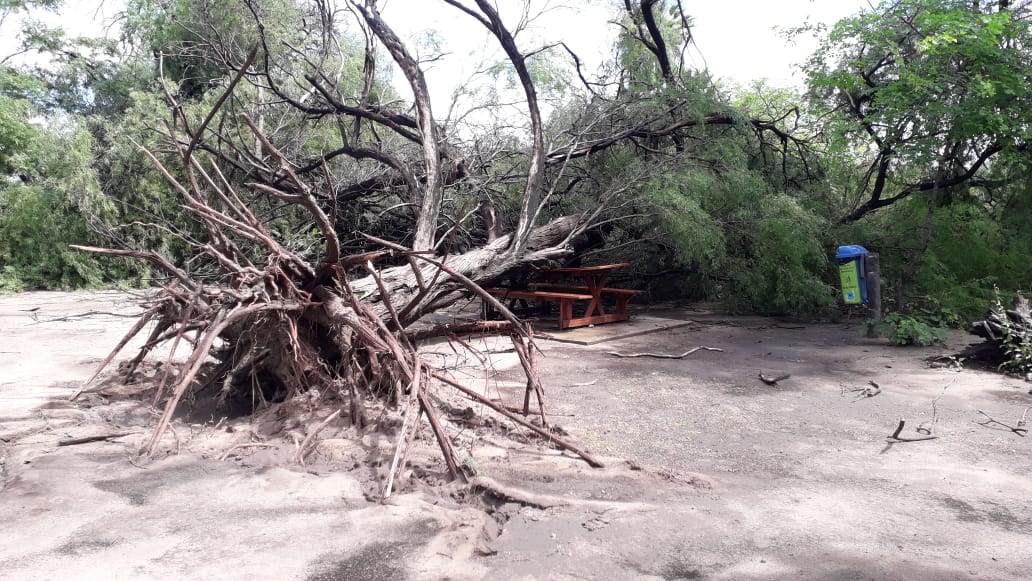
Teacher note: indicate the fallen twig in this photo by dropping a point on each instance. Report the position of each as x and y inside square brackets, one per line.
[584, 384]
[1019, 429]
[551, 437]
[83, 316]
[925, 427]
[88, 439]
[236, 447]
[773, 381]
[302, 450]
[860, 393]
[665, 356]
[409, 424]
[895, 437]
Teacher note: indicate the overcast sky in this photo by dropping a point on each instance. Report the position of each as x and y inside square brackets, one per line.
[737, 40]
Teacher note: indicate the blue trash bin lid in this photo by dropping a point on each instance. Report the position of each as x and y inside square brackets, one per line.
[851, 251]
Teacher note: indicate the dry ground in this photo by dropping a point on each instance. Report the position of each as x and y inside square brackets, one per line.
[710, 473]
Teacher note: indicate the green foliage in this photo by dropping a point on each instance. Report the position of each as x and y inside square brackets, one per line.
[920, 92]
[45, 211]
[755, 250]
[1016, 342]
[16, 132]
[905, 330]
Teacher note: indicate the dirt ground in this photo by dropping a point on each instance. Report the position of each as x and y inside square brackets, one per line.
[710, 473]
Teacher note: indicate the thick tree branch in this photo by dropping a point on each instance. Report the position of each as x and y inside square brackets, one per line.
[433, 192]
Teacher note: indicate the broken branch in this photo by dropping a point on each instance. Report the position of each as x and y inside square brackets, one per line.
[665, 356]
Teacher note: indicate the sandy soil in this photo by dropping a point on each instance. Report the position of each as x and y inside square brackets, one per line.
[710, 474]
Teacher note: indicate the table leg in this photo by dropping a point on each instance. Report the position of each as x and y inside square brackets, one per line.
[565, 314]
[595, 285]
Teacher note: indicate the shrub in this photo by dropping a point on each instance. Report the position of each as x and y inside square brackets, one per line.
[903, 330]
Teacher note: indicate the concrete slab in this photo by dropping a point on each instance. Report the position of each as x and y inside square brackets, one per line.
[591, 335]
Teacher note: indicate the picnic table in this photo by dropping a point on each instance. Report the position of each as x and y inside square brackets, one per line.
[588, 284]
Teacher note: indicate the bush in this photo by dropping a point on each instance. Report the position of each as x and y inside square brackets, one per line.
[903, 330]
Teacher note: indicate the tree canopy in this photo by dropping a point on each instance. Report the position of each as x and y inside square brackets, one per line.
[911, 137]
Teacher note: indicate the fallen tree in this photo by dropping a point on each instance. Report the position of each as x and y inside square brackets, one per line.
[1008, 336]
[266, 318]
[265, 322]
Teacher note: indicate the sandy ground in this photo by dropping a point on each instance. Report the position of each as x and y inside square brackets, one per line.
[710, 473]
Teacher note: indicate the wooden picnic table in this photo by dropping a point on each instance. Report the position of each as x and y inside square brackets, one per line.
[590, 285]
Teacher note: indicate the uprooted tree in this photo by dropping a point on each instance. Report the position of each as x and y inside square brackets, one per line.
[290, 284]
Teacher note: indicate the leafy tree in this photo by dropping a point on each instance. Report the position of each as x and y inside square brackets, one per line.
[45, 209]
[924, 94]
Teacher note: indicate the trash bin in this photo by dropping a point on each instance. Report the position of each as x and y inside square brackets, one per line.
[852, 273]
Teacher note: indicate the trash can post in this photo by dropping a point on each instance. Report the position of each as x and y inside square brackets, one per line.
[873, 266]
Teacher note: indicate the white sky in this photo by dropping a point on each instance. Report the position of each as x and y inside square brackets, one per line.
[736, 39]
[739, 42]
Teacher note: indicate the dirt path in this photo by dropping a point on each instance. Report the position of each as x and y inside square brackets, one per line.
[711, 474]
[794, 481]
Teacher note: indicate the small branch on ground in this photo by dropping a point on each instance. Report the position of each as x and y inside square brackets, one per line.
[927, 427]
[773, 381]
[85, 315]
[302, 450]
[1018, 429]
[236, 447]
[860, 393]
[895, 437]
[88, 439]
[665, 356]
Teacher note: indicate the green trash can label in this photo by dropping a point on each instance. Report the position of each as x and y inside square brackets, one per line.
[850, 283]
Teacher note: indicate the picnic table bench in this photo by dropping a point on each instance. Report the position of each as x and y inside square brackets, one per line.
[592, 289]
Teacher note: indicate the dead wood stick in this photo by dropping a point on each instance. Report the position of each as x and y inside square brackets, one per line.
[88, 439]
[236, 447]
[539, 388]
[144, 319]
[418, 274]
[509, 494]
[199, 131]
[1019, 430]
[152, 257]
[665, 356]
[385, 297]
[863, 392]
[442, 437]
[403, 439]
[476, 327]
[591, 460]
[472, 350]
[521, 353]
[519, 410]
[895, 437]
[193, 365]
[299, 456]
[172, 352]
[83, 316]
